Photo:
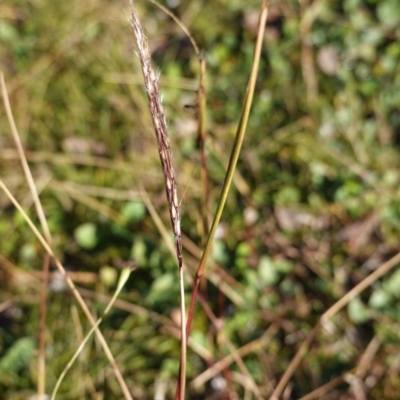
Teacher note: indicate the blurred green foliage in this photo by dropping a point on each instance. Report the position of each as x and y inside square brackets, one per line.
[314, 210]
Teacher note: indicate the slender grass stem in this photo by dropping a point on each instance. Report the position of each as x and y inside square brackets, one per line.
[42, 218]
[241, 130]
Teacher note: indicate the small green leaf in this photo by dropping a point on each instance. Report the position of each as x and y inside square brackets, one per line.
[243, 249]
[134, 211]
[85, 235]
[28, 252]
[287, 196]
[380, 299]
[358, 313]
[8, 33]
[91, 32]
[287, 287]
[18, 355]
[199, 338]
[388, 13]
[108, 275]
[267, 271]
[161, 287]
[138, 252]
[169, 368]
[283, 266]
[219, 252]
[392, 285]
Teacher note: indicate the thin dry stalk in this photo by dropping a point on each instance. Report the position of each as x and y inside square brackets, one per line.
[165, 153]
[42, 326]
[201, 140]
[202, 135]
[78, 297]
[323, 390]
[70, 159]
[42, 218]
[307, 56]
[178, 22]
[342, 302]
[124, 276]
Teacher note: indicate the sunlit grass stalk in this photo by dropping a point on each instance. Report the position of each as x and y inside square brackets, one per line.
[41, 384]
[165, 153]
[121, 283]
[240, 133]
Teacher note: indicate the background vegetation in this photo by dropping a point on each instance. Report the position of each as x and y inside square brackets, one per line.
[314, 210]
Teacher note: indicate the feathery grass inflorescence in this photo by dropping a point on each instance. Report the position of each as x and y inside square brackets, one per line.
[161, 130]
[164, 150]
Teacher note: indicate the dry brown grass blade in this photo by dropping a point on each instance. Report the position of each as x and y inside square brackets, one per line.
[309, 11]
[202, 136]
[55, 158]
[24, 162]
[42, 218]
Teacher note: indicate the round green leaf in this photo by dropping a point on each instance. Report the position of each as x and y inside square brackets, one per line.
[243, 249]
[267, 271]
[108, 275]
[392, 286]
[388, 12]
[134, 211]
[8, 33]
[28, 252]
[380, 299]
[85, 236]
[138, 252]
[219, 252]
[161, 287]
[358, 313]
